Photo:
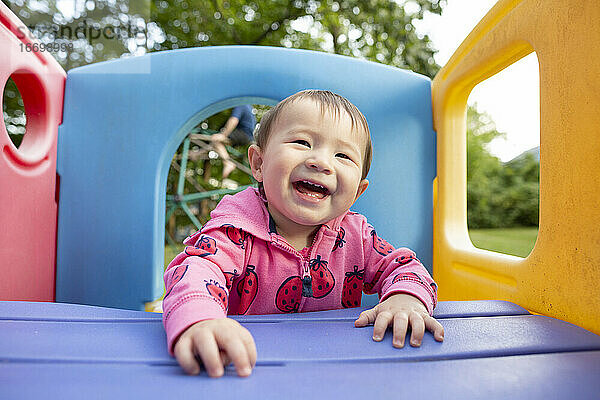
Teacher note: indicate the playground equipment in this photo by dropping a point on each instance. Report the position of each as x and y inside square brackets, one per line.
[92, 257]
[560, 277]
[129, 276]
[111, 209]
[180, 199]
[100, 263]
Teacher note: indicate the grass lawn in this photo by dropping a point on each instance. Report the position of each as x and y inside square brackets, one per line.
[171, 252]
[514, 241]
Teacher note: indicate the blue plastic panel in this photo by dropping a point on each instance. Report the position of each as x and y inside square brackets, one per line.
[124, 119]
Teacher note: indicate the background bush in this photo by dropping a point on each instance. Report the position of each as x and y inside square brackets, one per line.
[499, 195]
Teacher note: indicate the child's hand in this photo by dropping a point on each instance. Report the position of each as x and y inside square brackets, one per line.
[217, 343]
[400, 310]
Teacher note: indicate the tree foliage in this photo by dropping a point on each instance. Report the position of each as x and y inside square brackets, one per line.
[98, 30]
[498, 194]
[377, 30]
[89, 32]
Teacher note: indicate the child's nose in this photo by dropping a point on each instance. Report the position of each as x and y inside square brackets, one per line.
[320, 163]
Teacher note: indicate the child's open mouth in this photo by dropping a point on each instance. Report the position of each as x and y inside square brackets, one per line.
[310, 189]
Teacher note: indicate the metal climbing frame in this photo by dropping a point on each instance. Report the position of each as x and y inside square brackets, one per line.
[201, 138]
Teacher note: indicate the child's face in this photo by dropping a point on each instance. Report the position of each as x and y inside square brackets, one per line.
[307, 148]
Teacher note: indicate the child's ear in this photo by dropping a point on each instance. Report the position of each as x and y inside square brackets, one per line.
[255, 159]
[362, 186]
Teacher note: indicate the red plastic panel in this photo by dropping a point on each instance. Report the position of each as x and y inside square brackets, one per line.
[28, 174]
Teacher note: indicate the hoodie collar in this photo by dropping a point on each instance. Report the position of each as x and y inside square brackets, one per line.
[247, 210]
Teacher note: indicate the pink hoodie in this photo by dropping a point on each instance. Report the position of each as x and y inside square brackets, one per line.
[238, 264]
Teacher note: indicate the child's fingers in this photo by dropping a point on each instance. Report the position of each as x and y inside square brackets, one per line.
[381, 323]
[248, 341]
[399, 329]
[185, 356]
[206, 347]
[417, 326]
[236, 351]
[366, 317]
[435, 327]
[225, 360]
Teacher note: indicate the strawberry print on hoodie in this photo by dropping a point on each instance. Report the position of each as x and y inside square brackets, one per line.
[238, 264]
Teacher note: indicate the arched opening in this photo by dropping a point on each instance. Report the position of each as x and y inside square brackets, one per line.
[194, 181]
[13, 111]
[503, 162]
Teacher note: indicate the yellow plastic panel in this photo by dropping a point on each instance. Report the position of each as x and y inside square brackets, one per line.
[561, 276]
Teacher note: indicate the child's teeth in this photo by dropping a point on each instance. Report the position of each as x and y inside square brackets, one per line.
[313, 190]
[315, 184]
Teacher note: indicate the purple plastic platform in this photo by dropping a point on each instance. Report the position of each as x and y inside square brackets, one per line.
[492, 350]
[37, 311]
[543, 376]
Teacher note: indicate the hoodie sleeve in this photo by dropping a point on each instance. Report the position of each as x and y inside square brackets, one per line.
[198, 280]
[389, 271]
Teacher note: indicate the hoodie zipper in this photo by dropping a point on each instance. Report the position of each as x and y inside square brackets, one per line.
[306, 277]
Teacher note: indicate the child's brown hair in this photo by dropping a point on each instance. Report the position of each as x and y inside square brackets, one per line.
[328, 101]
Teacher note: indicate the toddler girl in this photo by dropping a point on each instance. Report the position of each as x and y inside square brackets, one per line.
[292, 245]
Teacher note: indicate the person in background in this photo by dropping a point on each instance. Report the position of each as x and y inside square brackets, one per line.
[239, 131]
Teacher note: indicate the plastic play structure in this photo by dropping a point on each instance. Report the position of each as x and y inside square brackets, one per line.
[82, 204]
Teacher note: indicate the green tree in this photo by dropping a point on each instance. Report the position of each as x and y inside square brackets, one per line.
[13, 111]
[98, 30]
[377, 30]
[77, 37]
[498, 194]
[483, 170]
[521, 176]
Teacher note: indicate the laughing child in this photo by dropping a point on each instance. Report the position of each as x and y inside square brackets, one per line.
[292, 245]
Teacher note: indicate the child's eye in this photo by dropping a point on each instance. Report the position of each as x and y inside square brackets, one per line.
[342, 155]
[302, 142]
